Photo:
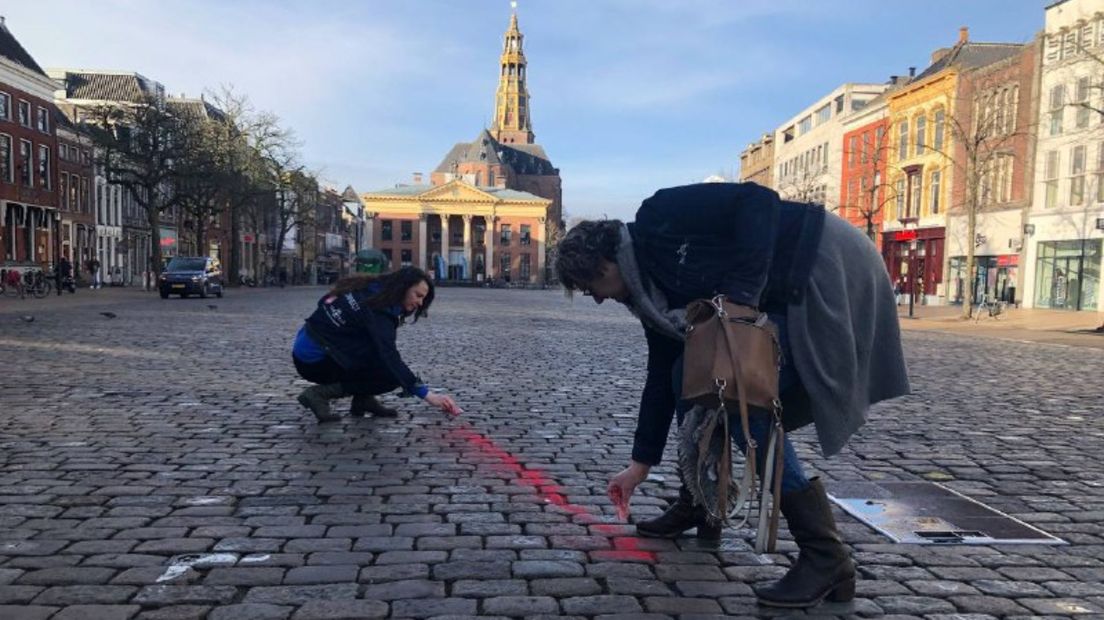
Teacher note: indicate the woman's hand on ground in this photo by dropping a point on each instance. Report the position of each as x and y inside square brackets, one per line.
[622, 486]
[445, 403]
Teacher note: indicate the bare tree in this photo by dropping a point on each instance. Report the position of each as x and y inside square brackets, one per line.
[871, 199]
[139, 147]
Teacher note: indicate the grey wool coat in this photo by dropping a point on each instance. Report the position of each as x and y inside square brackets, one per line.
[845, 338]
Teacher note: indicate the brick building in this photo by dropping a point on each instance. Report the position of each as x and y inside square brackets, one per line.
[29, 219]
[75, 176]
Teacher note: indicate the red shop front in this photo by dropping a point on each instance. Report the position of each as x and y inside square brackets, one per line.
[926, 261]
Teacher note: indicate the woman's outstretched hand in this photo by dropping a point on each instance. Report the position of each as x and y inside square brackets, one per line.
[622, 486]
[445, 403]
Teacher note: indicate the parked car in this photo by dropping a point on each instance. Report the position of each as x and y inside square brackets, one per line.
[188, 275]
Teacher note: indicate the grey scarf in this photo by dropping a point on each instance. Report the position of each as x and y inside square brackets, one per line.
[647, 302]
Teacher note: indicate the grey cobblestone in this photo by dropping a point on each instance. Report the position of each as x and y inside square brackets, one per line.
[114, 472]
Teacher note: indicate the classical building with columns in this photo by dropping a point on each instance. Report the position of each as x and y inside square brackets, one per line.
[461, 232]
[490, 206]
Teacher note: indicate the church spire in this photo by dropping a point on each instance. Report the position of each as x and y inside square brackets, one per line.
[511, 119]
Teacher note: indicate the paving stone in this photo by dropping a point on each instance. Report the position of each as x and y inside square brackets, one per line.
[15, 595]
[520, 605]
[471, 570]
[562, 587]
[638, 587]
[394, 572]
[97, 612]
[484, 588]
[298, 595]
[26, 612]
[244, 576]
[341, 610]
[67, 576]
[410, 588]
[988, 605]
[175, 612]
[251, 611]
[185, 595]
[600, 604]
[434, 607]
[532, 569]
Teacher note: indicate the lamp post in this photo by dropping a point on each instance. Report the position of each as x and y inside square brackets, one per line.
[912, 275]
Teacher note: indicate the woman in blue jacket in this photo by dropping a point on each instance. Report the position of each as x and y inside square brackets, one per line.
[819, 279]
[347, 346]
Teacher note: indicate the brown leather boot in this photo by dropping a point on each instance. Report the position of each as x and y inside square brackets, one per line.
[823, 568]
[679, 517]
[364, 404]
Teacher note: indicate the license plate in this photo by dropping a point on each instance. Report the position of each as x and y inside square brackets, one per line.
[178, 286]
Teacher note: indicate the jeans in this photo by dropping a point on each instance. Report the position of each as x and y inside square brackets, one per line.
[328, 371]
[759, 420]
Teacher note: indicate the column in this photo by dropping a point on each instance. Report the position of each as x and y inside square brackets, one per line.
[540, 249]
[489, 258]
[445, 241]
[369, 240]
[423, 241]
[468, 247]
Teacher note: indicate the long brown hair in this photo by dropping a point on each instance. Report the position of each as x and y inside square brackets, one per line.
[392, 289]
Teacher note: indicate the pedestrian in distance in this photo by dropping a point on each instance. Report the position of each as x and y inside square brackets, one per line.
[818, 279]
[94, 272]
[347, 346]
[63, 275]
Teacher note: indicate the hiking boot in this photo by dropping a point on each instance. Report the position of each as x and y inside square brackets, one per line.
[364, 404]
[317, 398]
[823, 569]
[679, 517]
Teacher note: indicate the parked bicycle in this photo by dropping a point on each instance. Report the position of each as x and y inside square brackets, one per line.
[36, 283]
[991, 307]
[12, 284]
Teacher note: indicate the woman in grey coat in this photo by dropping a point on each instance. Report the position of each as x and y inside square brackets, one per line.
[820, 280]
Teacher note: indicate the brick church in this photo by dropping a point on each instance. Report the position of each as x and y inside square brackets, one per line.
[491, 205]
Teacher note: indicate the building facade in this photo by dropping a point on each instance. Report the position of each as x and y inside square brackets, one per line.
[1065, 224]
[863, 197]
[30, 224]
[461, 232]
[757, 161]
[808, 148]
[76, 174]
[490, 206]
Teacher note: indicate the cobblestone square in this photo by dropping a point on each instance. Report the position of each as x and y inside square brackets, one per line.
[156, 465]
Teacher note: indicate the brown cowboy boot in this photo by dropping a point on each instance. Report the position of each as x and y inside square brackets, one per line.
[317, 398]
[366, 403]
[679, 517]
[823, 568]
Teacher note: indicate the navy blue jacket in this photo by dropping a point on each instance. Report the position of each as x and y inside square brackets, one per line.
[360, 338]
[696, 241]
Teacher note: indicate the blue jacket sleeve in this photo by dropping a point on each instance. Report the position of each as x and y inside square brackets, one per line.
[657, 403]
[378, 324]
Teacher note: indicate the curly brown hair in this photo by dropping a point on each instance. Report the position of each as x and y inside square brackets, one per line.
[580, 254]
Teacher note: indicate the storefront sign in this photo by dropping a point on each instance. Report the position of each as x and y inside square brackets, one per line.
[904, 235]
[1009, 260]
[247, 238]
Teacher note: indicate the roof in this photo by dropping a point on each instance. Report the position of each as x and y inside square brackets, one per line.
[523, 158]
[415, 190]
[195, 108]
[971, 56]
[109, 86]
[11, 49]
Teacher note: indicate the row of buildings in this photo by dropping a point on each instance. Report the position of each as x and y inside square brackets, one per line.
[55, 200]
[1016, 129]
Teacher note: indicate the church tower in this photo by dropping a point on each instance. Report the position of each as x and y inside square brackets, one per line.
[511, 119]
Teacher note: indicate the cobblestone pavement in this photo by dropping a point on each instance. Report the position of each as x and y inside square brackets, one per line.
[155, 465]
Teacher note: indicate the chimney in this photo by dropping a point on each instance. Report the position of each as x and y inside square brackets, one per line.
[912, 72]
[417, 178]
[964, 34]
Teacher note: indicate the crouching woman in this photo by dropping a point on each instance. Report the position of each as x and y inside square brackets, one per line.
[347, 346]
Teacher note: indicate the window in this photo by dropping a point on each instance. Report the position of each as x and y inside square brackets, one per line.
[25, 165]
[63, 186]
[1082, 94]
[406, 230]
[1013, 109]
[1077, 176]
[386, 230]
[407, 258]
[44, 177]
[824, 114]
[525, 235]
[839, 104]
[852, 146]
[5, 107]
[933, 189]
[902, 142]
[921, 133]
[7, 166]
[937, 141]
[504, 266]
[1057, 100]
[24, 114]
[77, 192]
[505, 234]
[43, 120]
[389, 255]
[915, 192]
[899, 198]
[805, 126]
[524, 268]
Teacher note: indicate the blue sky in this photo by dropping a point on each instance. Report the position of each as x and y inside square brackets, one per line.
[627, 95]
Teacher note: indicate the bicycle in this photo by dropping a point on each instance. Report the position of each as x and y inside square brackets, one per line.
[36, 283]
[993, 308]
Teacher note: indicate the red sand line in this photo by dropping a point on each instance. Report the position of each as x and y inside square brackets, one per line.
[625, 548]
